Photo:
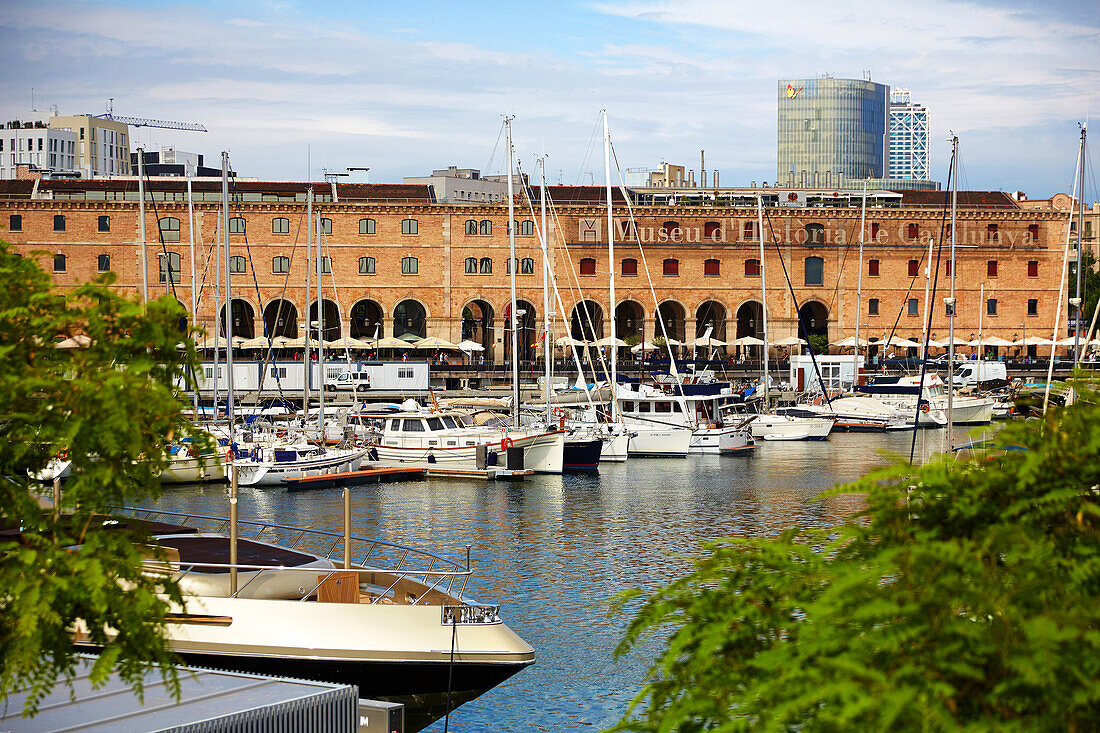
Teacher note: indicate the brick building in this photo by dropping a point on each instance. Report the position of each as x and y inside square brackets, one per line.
[401, 263]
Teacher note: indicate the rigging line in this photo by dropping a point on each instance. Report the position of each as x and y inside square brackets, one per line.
[588, 153]
[493, 154]
[913, 279]
[336, 295]
[160, 235]
[259, 302]
[797, 310]
[930, 306]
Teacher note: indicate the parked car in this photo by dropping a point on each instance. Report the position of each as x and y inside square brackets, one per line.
[349, 382]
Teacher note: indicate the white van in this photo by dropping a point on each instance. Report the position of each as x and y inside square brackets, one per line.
[349, 382]
[967, 375]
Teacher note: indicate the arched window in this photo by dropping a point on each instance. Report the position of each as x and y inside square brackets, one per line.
[409, 317]
[326, 226]
[486, 226]
[527, 266]
[712, 230]
[366, 226]
[815, 272]
[528, 228]
[752, 268]
[280, 225]
[508, 265]
[486, 266]
[815, 234]
[471, 262]
[409, 265]
[237, 264]
[712, 267]
[103, 263]
[630, 266]
[58, 223]
[59, 263]
[236, 225]
[913, 230]
[471, 226]
[169, 266]
[671, 267]
[280, 265]
[409, 226]
[749, 232]
[588, 266]
[366, 265]
[670, 229]
[170, 229]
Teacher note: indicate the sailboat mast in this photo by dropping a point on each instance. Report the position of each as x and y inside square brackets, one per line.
[513, 317]
[763, 292]
[307, 370]
[217, 310]
[859, 286]
[141, 214]
[1080, 262]
[927, 305]
[546, 342]
[320, 336]
[951, 300]
[981, 345]
[228, 299]
[610, 266]
[194, 281]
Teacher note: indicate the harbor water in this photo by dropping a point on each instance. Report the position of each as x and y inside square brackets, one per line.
[551, 550]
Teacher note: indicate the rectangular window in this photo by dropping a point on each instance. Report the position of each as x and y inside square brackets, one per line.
[1033, 306]
[630, 266]
[59, 263]
[15, 223]
[170, 229]
[662, 407]
[913, 231]
[409, 226]
[366, 226]
[104, 263]
[280, 265]
[872, 307]
[1033, 268]
[236, 225]
[588, 266]
[169, 266]
[815, 272]
[914, 308]
[872, 268]
[914, 268]
[409, 266]
[991, 307]
[326, 226]
[104, 223]
[280, 225]
[712, 267]
[991, 233]
[671, 267]
[237, 264]
[991, 268]
[326, 265]
[59, 222]
[948, 272]
[1033, 233]
[752, 268]
[366, 265]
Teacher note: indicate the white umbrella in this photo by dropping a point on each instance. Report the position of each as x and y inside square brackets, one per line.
[470, 346]
[708, 342]
[347, 342]
[434, 342]
[748, 341]
[990, 341]
[789, 341]
[610, 341]
[218, 342]
[570, 341]
[903, 343]
[849, 343]
[79, 341]
[1033, 341]
[958, 342]
[389, 342]
[255, 343]
[934, 344]
[1068, 341]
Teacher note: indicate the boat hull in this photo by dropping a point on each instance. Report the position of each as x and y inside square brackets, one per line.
[652, 442]
[582, 456]
[272, 473]
[192, 470]
[772, 426]
[542, 452]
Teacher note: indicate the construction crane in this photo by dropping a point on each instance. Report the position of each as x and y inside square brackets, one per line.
[143, 122]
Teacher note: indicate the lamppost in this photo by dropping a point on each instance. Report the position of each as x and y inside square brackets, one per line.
[1023, 328]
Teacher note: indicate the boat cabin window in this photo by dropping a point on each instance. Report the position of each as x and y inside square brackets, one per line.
[628, 407]
[449, 421]
[676, 407]
[413, 426]
[434, 423]
[662, 407]
[643, 407]
[395, 425]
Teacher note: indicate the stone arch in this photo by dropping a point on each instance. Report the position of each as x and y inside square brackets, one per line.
[674, 316]
[528, 333]
[410, 317]
[813, 316]
[330, 320]
[750, 319]
[629, 319]
[244, 319]
[477, 323]
[368, 319]
[586, 321]
[711, 313]
[280, 319]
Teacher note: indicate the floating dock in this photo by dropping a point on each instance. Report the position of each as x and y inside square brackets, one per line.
[399, 473]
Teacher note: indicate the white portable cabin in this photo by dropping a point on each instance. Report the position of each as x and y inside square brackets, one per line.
[289, 376]
[838, 371]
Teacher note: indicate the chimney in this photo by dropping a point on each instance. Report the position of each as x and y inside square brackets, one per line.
[691, 179]
[716, 179]
[703, 168]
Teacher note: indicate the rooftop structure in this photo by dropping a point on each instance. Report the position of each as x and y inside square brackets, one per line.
[103, 146]
[909, 149]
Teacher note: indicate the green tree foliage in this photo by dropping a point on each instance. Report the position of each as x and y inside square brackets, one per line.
[966, 596]
[1090, 285]
[113, 408]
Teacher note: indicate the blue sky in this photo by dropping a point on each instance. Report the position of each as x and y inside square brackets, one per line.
[404, 88]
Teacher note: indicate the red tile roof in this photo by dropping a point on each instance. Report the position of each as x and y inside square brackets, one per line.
[967, 199]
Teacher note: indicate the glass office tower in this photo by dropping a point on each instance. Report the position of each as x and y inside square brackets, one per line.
[908, 138]
[831, 131]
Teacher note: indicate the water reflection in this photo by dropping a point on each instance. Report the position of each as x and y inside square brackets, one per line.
[551, 550]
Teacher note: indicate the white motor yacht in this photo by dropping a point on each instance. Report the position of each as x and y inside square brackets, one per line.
[786, 427]
[269, 465]
[903, 391]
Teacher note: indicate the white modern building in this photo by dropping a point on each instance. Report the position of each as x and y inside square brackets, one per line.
[41, 148]
[455, 185]
[909, 150]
